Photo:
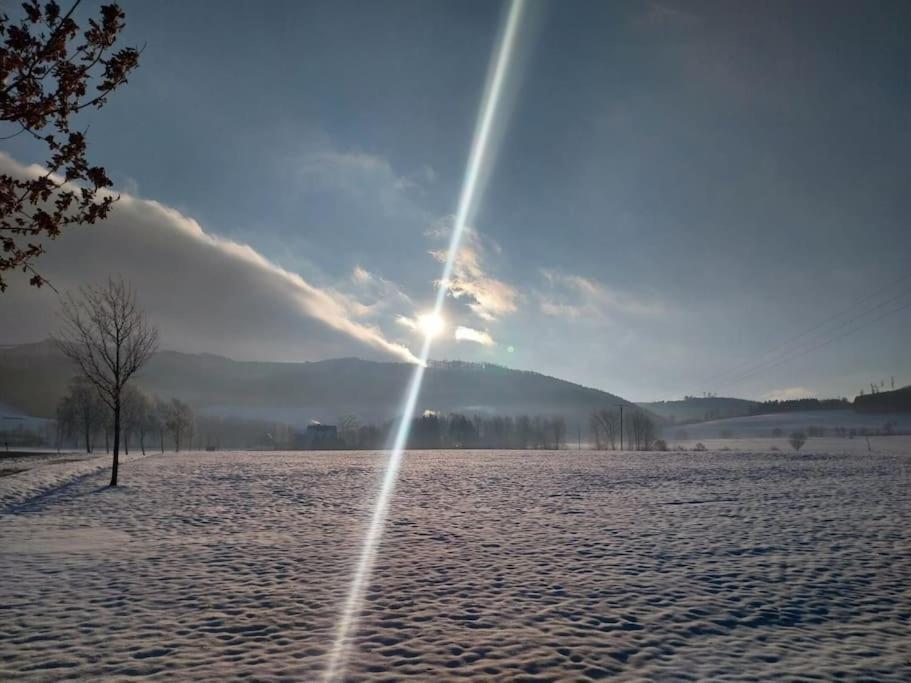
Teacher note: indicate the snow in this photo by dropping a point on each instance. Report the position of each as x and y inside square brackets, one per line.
[495, 566]
[763, 425]
[27, 477]
[859, 445]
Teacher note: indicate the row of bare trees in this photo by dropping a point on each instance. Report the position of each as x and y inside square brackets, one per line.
[637, 431]
[433, 430]
[83, 417]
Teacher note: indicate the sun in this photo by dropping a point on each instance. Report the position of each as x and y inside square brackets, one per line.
[431, 324]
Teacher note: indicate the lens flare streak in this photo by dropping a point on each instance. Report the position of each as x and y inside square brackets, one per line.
[478, 160]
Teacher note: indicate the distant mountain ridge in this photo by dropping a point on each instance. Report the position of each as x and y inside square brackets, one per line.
[34, 376]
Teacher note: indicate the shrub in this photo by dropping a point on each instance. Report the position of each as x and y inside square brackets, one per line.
[659, 445]
[797, 440]
[700, 447]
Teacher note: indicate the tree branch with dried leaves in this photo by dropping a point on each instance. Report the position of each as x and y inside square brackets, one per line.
[50, 70]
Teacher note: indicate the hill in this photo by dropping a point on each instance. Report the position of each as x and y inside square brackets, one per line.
[895, 401]
[696, 409]
[829, 422]
[34, 376]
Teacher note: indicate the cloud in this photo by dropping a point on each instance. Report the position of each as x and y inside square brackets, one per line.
[361, 275]
[463, 333]
[205, 293]
[574, 296]
[488, 297]
[405, 321]
[334, 210]
[788, 394]
[369, 295]
[367, 178]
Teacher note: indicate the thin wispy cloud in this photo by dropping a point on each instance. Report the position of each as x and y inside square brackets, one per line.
[469, 334]
[407, 321]
[487, 297]
[573, 296]
[371, 295]
[367, 177]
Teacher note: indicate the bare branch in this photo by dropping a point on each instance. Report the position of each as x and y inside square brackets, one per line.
[107, 336]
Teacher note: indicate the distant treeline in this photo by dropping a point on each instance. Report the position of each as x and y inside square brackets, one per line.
[433, 430]
[799, 405]
[84, 420]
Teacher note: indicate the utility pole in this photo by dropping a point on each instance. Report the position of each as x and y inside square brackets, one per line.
[620, 405]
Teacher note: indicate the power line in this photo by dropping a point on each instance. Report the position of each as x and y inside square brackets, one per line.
[756, 366]
[767, 356]
[826, 342]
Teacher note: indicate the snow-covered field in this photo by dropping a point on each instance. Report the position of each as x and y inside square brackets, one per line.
[495, 566]
[762, 426]
[825, 444]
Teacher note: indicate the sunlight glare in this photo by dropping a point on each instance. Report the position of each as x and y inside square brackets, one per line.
[431, 323]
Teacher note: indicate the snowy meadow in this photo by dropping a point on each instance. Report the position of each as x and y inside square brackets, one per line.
[494, 566]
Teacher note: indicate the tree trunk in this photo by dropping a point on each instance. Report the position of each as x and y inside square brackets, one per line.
[142, 441]
[116, 462]
[177, 441]
[161, 437]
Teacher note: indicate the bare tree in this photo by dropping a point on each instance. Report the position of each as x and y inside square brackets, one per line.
[66, 420]
[84, 409]
[539, 433]
[797, 440]
[605, 424]
[160, 420]
[146, 419]
[108, 336]
[558, 430]
[642, 429]
[347, 430]
[179, 420]
[136, 406]
[594, 425]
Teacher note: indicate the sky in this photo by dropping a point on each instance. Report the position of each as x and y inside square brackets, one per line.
[678, 192]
